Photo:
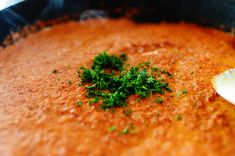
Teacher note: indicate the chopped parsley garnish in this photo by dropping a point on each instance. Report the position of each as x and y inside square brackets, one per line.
[147, 64]
[95, 100]
[161, 71]
[78, 103]
[159, 100]
[178, 117]
[112, 129]
[108, 80]
[184, 91]
[158, 113]
[131, 129]
[178, 94]
[69, 82]
[125, 130]
[105, 61]
[127, 112]
[123, 57]
[138, 100]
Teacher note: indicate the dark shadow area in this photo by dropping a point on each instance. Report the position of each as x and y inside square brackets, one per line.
[216, 13]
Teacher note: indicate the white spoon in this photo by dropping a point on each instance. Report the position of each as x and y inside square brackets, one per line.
[224, 85]
[7, 3]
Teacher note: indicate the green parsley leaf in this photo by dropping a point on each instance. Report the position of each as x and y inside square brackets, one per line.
[105, 61]
[138, 100]
[178, 117]
[78, 103]
[69, 82]
[159, 100]
[123, 57]
[178, 94]
[125, 130]
[127, 112]
[133, 129]
[114, 89]
[112, 129]
[184, 91]
[158, 113]
[95, 100]
[147, 64]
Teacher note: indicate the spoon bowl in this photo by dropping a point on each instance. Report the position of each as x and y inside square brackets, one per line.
[224, 85]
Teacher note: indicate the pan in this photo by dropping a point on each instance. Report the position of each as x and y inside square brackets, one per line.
[211, 13]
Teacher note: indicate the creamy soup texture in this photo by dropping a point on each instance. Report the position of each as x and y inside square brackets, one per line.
[38, 115]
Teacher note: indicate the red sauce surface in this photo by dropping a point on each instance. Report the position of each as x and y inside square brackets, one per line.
[37, 112]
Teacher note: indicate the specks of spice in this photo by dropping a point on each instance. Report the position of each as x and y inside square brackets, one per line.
[69, 82]
[133, 129]
[158, 113]
[55, 71]
[178, 117]
[112, 129]
[68, 66]
[160, 71]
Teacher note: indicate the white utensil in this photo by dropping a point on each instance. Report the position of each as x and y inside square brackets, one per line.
[7, 3]
[224, 85]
